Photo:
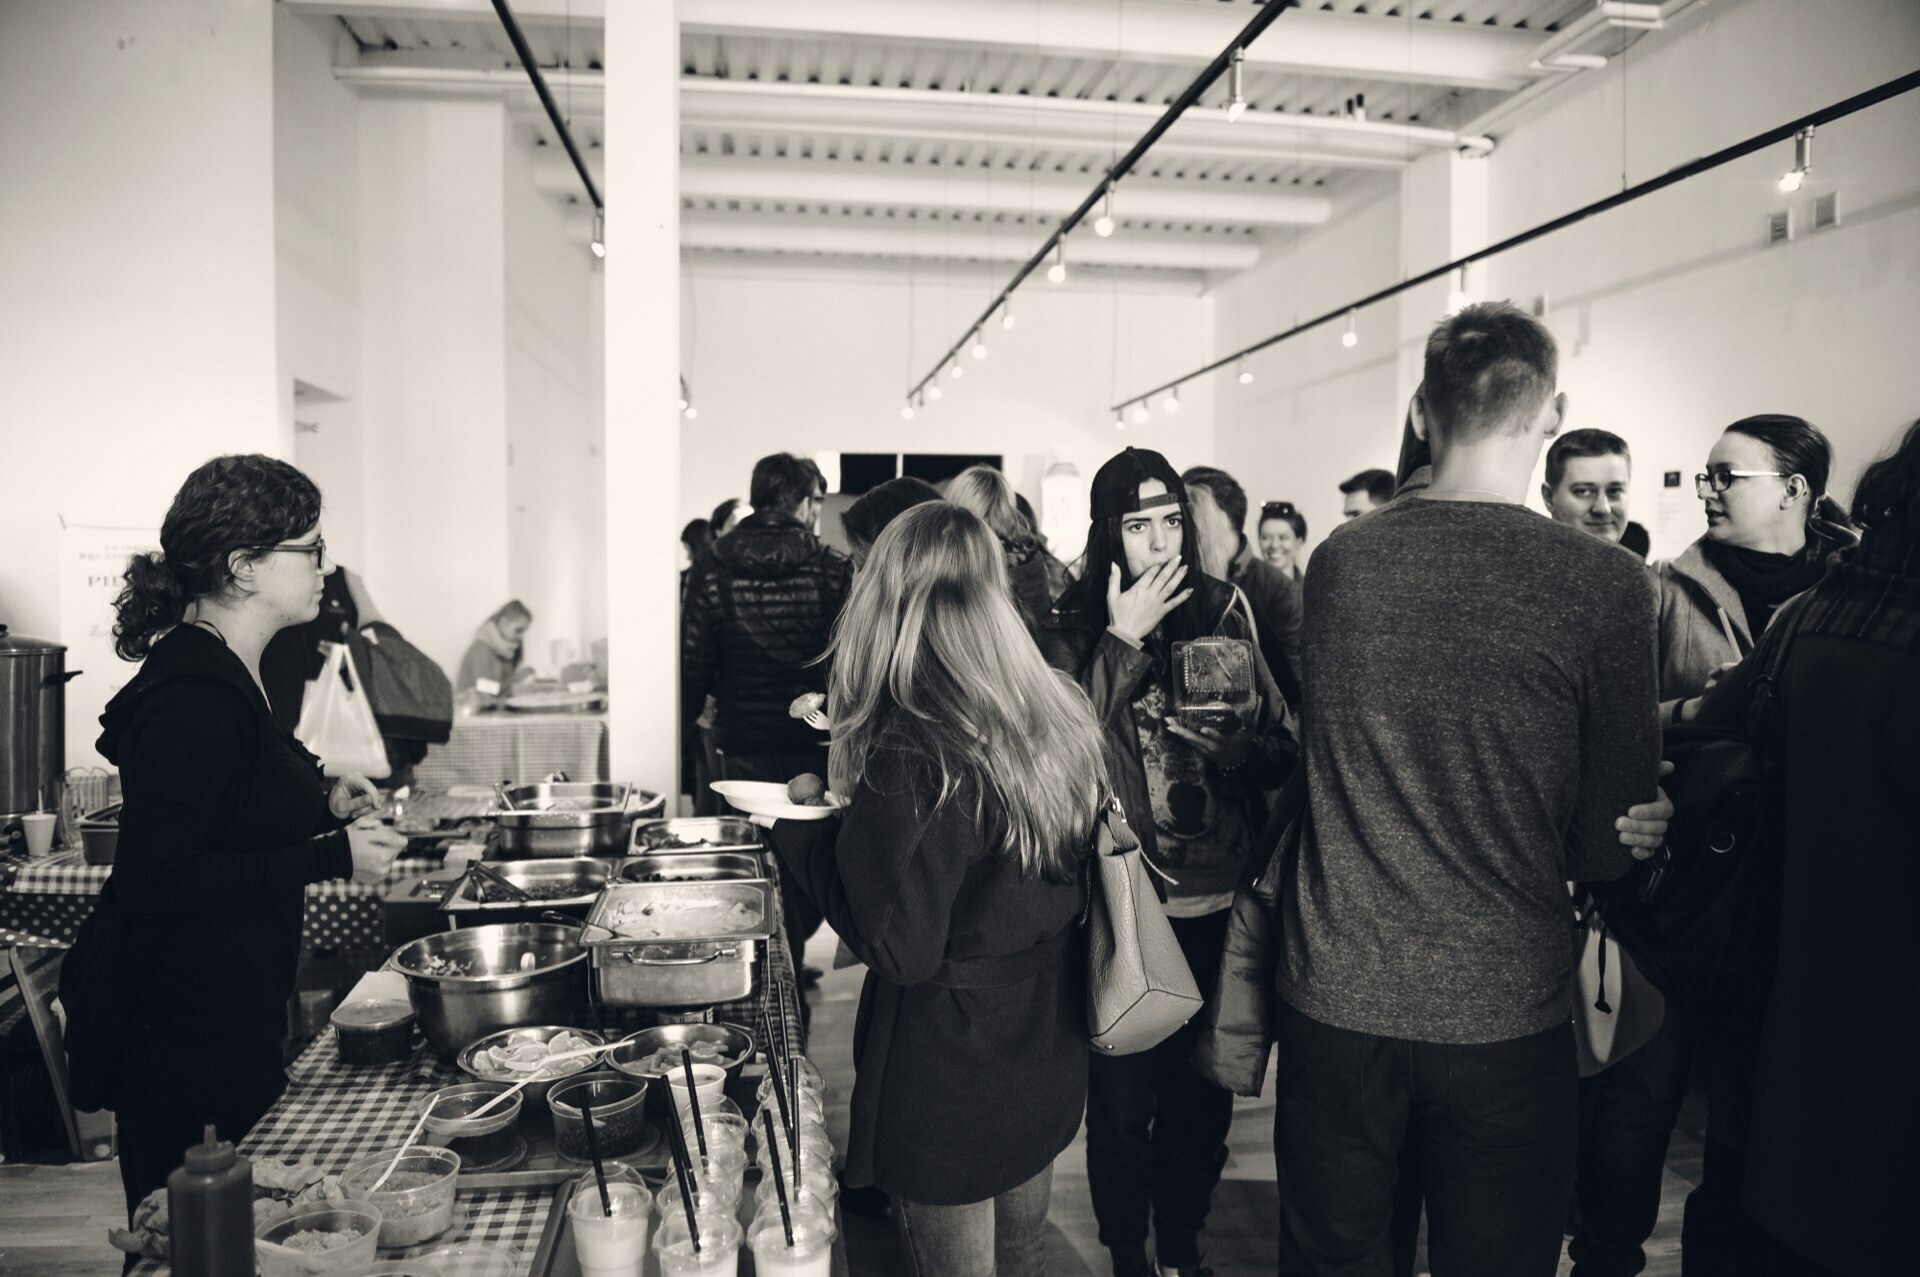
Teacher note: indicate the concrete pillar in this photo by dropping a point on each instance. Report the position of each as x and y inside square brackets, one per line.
[1443, 214]
[642, 387]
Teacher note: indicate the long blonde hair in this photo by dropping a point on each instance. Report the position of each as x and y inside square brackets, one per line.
[930, 655]
[986, 492]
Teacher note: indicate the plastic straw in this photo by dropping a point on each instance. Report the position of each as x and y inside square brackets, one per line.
[405, 1144]
[693, 1099]
[780, 1182]
[593, 1151]
[677, 1147]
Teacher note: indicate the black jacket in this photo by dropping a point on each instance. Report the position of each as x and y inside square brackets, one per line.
[970, 1046]
[759, 607]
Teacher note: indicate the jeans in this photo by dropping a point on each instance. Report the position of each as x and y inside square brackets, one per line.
[1627, 1114]
[1157, 1130]
[1493, 1123]
[1004, 1236]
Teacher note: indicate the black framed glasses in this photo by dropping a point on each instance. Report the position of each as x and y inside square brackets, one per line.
[317, 550]
[1722, 478]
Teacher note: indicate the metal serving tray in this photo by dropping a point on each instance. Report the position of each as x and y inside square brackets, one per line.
[569, 885]
[695, 834]
[696, 866]
[678, 912]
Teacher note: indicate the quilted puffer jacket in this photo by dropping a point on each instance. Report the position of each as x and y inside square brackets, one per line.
[759, 607]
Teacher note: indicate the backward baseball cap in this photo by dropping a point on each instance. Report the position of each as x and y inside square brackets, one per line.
[1116, 485]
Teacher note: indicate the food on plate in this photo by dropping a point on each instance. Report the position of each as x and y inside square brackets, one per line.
[807, 703]
[807, 790]
[657, 918]
[517, 1060]
[667, 1058]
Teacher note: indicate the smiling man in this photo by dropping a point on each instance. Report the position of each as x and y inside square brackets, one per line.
[1588, 476]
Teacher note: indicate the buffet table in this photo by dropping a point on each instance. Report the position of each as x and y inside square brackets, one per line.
[503, 745]
[333, 1115]
[50, 896]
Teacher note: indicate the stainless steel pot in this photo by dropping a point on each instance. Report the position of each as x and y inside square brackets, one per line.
[699, 973]
[468, 983]
[571, 819]
[33, 727]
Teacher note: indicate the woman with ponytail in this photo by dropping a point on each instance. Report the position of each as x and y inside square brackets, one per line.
[177, 986]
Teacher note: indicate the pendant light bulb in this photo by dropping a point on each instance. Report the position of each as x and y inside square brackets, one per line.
[1237, 85]
[955, 371]
[1103, 224]
[1137, 413]
[1350, 338]
[690, 412]
[979, 346]
[599, 242]
[1171, 403]
[1119, 421]
[906, 411]
[934, 392]
[1457, 299]
[1796, 177]
[1006, 317]
[1245, 374]
[1057, 273]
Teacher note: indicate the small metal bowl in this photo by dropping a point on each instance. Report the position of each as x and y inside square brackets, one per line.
[534, 1095]
[735, 1042]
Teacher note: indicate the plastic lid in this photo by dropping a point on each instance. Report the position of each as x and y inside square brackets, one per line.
[214, 1154]
[473, 1260]
[377, 1014]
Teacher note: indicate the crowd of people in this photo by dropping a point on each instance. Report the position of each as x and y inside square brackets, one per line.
[1453, 716]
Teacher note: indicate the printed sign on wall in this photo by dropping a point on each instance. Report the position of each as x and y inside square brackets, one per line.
[93, 563]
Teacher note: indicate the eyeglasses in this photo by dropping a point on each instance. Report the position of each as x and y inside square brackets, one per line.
[1721, 480]
[317, 549]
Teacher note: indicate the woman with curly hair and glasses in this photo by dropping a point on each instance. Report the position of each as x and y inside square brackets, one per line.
[973, 777]
[176, 988]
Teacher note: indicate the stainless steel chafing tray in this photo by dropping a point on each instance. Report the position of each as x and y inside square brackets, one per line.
[569, 885]
[695, 834]
[682, 943]
[696, 866]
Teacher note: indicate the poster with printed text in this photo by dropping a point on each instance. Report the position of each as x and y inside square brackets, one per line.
[93, 562]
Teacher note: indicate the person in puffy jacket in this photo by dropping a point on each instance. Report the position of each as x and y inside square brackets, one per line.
[1157, 1130]
[759, 608]
[1036, 577]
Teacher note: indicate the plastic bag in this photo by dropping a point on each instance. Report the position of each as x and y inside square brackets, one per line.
[336, 722]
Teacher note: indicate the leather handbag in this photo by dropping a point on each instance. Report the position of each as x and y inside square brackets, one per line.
[1140, 989]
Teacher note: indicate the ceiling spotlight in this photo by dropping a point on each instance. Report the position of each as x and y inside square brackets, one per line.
[1119, 422]
[599, 241]
[1237, 86]
[1137, 412]
[686, 400]
[1057, 273]
[1171, 402]
[906, 411]
[1349, 338]
[683, 403]
[690, 412]
[1006, 315]
[1245, 374]
[1457, 299]
[955, 371]
[1103, 224]
[1796, 177]
[934, 392]
[979, 346]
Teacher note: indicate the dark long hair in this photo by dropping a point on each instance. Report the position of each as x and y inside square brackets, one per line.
[244, 503]
[1887, 498]
[1104, 549]
[1798, 447]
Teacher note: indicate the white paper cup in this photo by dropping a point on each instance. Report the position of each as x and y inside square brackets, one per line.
[38, 827]
[709, 1084]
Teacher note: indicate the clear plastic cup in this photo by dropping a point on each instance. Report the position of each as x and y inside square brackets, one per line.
[611, 1245]
[820, 1185]
[718, 1179]
[809, 1255]
[808, 1077]
[722, 1130]
[810, 1113]
[815, 1149]
[719, 1253]
[769, 1207]
[709, 1082]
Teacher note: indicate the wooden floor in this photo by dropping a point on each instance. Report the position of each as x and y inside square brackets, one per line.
[54, 1218]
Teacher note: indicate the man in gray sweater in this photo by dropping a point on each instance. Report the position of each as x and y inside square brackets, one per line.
[1484, 706]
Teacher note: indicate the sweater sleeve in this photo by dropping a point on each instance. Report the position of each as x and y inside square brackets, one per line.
[885, 879]
[181, 756]
[1619, 730]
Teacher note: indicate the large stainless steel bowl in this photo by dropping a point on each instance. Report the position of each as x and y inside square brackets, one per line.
[572, 818]
[468, 983]
[735, 1043]
[536, 1092]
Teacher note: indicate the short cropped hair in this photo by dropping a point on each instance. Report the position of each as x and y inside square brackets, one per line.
[1490, 368]
[1378, 485]
[1583, 443]
[782, 481]
[1225, 489]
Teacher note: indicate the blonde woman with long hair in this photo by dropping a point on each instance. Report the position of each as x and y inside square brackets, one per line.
[973, 776]
[1036, 577]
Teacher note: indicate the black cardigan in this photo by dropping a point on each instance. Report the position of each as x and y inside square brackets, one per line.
[970, 1045]
[225, 823]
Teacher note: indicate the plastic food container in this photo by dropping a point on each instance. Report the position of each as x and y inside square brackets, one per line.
[378, 1032]
[321, 1237]
[619, 1116]
[416, 1202]
[469, 1260]
[480, 1141]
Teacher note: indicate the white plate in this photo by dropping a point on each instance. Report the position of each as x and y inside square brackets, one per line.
[535, 702]
[769, 798]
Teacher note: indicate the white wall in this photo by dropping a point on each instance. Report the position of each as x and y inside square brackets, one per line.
[433, 328]
[1673, 317]
[809, 363]
[556, 481]
[136, 275]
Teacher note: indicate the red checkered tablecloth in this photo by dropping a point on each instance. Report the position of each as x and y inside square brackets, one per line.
[486, 749]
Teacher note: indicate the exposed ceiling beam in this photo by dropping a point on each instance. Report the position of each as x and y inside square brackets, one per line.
[899, 238]
[1047, 124]
[1156, 31]
[860, 185]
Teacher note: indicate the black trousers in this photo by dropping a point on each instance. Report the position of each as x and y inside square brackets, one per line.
[1157, 1130]
[177, 1083]
[802, 915]
[1627, 1113]
[1493, 1124]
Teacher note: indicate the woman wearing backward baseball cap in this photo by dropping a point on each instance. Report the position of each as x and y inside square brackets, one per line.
[1157, 1130]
